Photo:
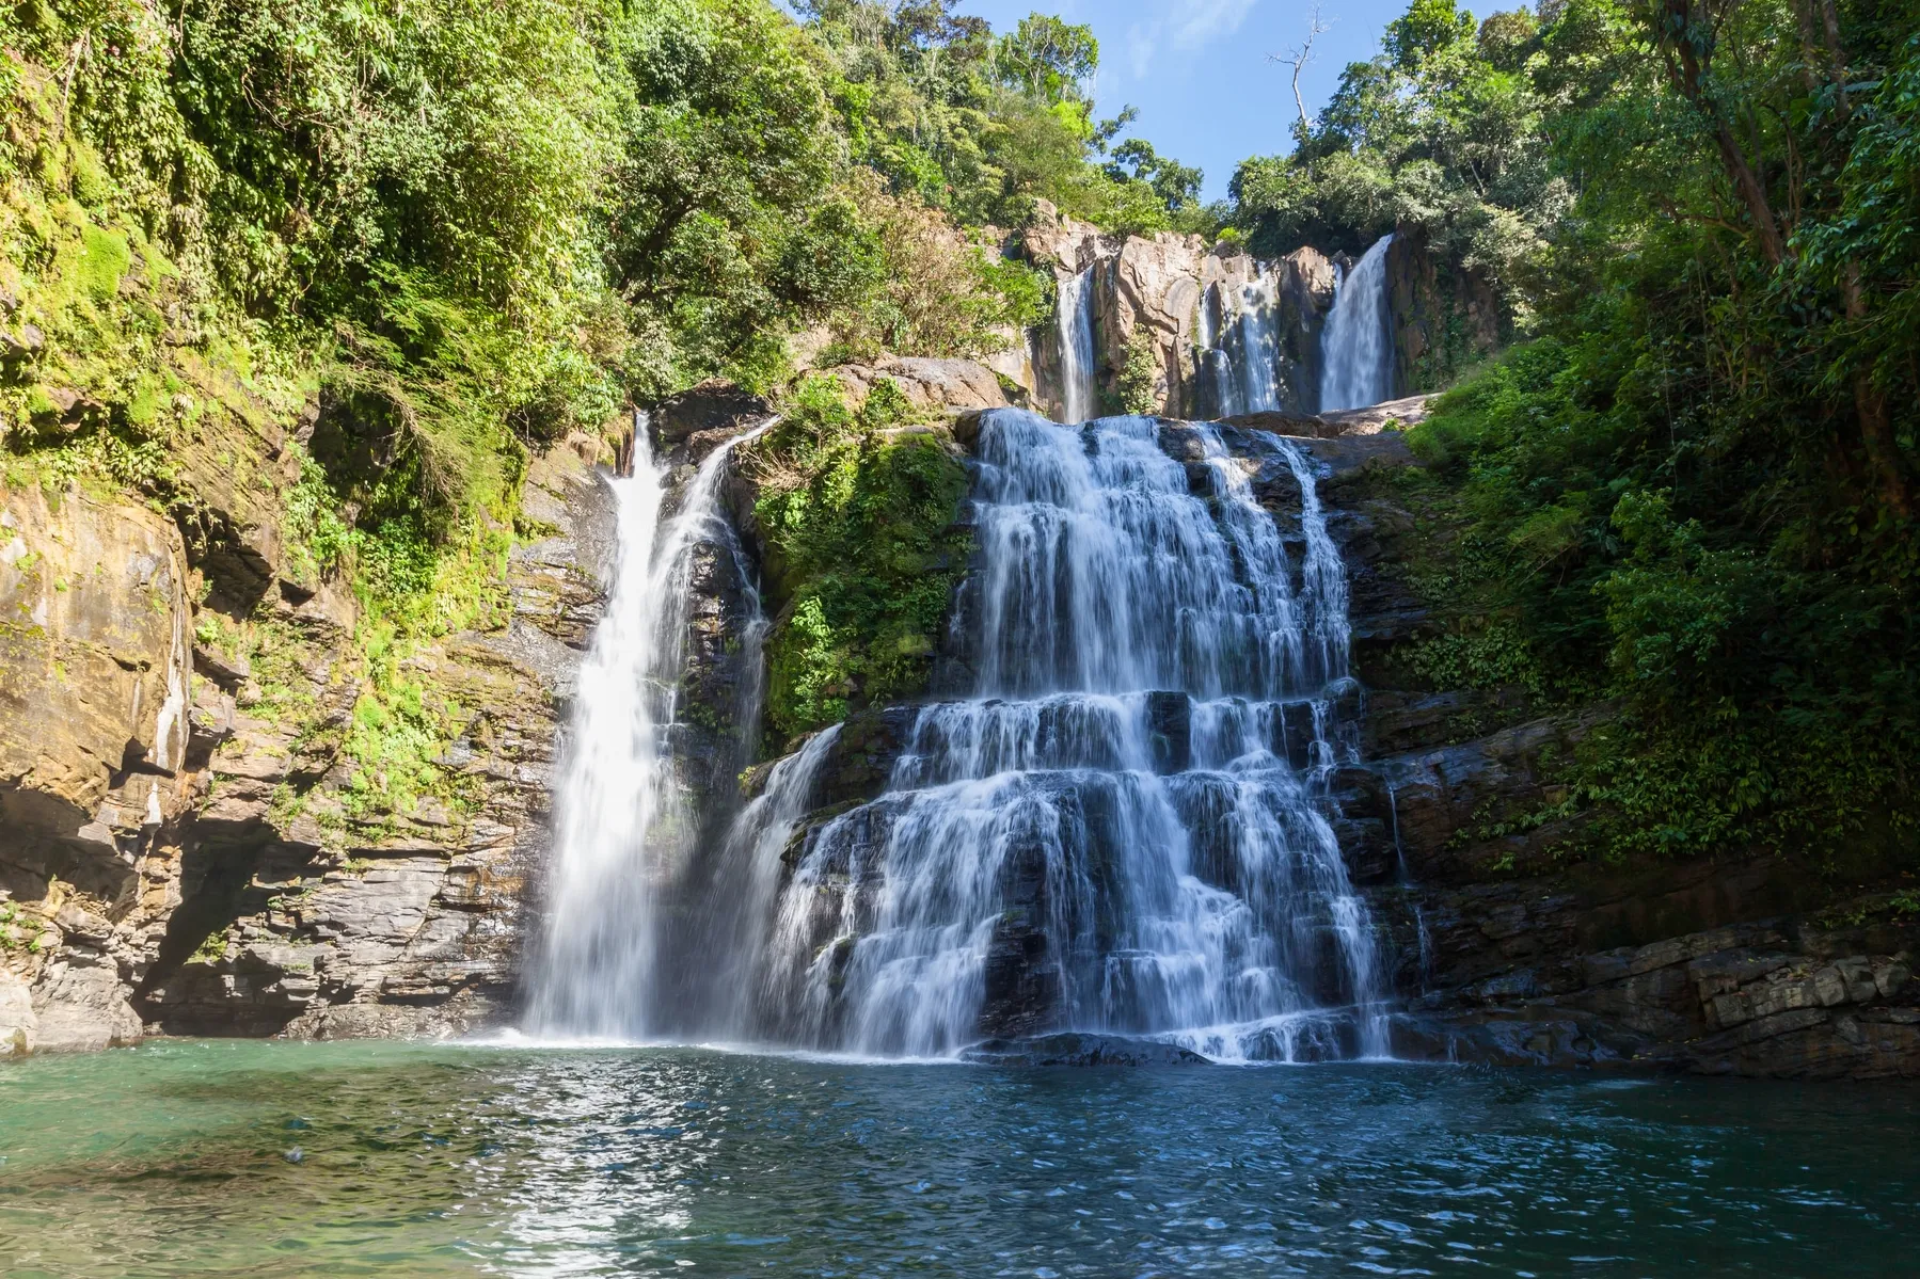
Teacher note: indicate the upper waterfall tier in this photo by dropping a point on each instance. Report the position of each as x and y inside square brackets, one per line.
[1102, 572]
[1357, 343]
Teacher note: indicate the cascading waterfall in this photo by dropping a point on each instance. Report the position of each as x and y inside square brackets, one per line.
[1122, 829]
[1079, 392]
[1357, 343]
[1242, 359]
[624, 831]
[1253, 347]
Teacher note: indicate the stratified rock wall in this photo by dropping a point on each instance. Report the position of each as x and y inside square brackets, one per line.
[94, 675]
[184, 846]
[1513, 943]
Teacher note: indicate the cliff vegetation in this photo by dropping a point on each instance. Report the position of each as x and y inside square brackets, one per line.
[1690, 495]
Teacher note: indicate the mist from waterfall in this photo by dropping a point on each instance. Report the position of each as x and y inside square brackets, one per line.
[1357, 343]
[1079, 354]
[1122, 829]
[623, 829]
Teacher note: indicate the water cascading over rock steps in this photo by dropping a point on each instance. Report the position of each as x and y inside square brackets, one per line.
[1120, 827]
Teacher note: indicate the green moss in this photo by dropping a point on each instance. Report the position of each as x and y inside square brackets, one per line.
[104, 259]
[212, 948]
[1138, 385]
[862, 552]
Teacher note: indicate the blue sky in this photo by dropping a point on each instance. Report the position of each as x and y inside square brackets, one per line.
[1198, 69]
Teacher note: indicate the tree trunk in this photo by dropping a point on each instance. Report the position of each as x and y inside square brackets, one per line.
[1688, 72]
[1876, 417]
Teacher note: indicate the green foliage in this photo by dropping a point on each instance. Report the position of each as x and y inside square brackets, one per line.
[862, 554]
[1495, 656]
[1697, 487]
[1138, 386]
[982, 126]
[1763, 661]
[934, 289]
[1443, 137]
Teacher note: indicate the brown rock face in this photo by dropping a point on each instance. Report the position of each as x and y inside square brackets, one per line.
[95, 661]
[943, 385]
[185, 842]
[1185, 298]
[713, 405]
[95, 669]
[1439, 325]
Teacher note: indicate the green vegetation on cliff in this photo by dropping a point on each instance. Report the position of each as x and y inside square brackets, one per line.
[320, 280]
[856, 512]
[1693, 494]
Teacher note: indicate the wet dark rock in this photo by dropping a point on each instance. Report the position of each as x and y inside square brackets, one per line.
[862, 756]
[1082, 1050]
[1170, 731]
[715, 405]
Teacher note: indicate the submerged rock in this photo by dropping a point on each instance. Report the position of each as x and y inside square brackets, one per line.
[1073, 1048]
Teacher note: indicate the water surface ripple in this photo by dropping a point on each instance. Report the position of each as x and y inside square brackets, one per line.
[256, 1159]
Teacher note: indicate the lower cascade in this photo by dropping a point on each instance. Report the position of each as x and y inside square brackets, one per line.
[1120, 830]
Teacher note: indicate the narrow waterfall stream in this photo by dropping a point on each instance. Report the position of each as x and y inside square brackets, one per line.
[1357, 343]
[1119, 831]
[1253, 348]
[1079, 389]
[623, 830]
[1239, 361]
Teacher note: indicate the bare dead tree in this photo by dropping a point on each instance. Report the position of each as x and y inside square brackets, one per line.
[1298, 57]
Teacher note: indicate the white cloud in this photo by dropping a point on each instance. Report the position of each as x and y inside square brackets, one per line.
[1202, 20]
[1184, 26]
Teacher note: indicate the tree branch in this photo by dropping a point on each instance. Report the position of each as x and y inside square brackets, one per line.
[1298, 57]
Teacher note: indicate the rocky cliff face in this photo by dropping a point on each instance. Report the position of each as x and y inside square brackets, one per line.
[1441, 322]
[1181, 300]
[1510, 945]
[1189, 303]
[188, 844]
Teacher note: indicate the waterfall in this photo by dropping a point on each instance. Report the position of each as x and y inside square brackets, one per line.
[624, 831]
[1079, 392]
[1242, 360]
[1357, 344]
[1122, 829]
[1254, 346]
[729, 916]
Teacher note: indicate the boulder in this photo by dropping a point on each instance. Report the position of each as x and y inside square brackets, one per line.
[18, 1025]
[940, 385]
[713, 405]
[1074, 1048]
